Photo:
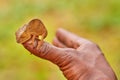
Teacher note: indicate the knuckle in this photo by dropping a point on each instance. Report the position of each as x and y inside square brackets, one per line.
[69, 50]
[44, 49]
[93, 45]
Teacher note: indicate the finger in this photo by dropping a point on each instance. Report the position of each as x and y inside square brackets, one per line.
[57, 43]
[46, 51]
[69, 39]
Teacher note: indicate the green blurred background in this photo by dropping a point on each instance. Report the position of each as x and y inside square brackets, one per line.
[97, 20]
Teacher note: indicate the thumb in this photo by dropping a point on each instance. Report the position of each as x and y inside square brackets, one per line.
[46, 51]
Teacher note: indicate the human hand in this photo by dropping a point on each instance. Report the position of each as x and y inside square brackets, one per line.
[77, 58]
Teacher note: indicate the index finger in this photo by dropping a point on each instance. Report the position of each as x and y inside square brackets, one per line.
[69, 39]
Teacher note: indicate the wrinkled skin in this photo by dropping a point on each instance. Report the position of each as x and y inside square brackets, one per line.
[77, 58]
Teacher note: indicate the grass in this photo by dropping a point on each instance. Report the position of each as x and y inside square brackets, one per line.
[98, 21]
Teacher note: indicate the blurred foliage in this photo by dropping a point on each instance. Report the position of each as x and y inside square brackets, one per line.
[96, 20]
